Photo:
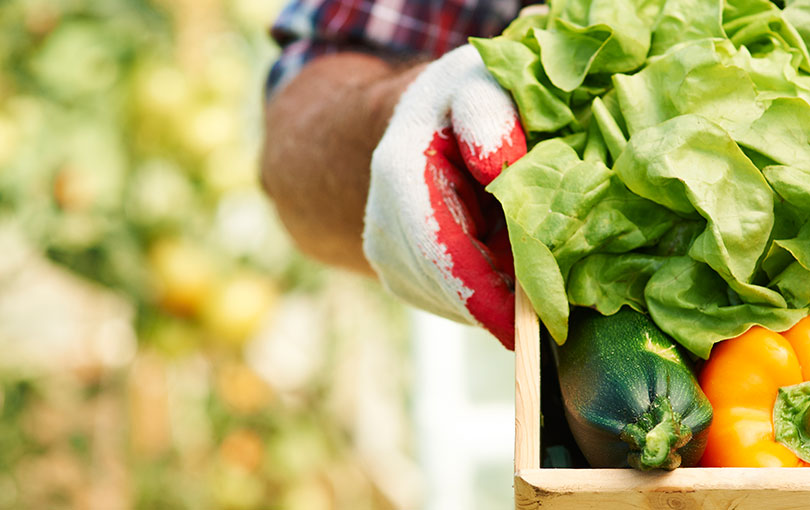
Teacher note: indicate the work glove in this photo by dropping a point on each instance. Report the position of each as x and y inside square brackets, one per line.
[432, 233]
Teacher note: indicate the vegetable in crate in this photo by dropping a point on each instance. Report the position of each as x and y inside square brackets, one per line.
[629, 393]
[759, 385]
[653, 120]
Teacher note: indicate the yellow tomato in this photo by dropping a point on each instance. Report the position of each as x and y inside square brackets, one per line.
[243, 448]
[242, 389]
[238, 306]
[184, 276]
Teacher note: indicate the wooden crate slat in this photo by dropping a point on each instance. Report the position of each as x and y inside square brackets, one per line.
[683, 488]
[527, 383]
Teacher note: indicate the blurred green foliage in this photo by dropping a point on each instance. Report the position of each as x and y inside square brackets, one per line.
[129, 144]
[130, 134]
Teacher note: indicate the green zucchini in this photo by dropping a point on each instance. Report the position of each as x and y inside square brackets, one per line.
[629, 393]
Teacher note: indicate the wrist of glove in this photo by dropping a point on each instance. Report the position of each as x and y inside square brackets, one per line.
[432, 234]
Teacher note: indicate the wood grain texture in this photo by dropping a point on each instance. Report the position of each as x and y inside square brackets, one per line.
[527, 384]
[681, 489]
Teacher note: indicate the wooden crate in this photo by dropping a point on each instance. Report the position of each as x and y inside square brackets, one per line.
[628, 489]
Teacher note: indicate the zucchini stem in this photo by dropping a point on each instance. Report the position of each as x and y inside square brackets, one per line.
[656, 436]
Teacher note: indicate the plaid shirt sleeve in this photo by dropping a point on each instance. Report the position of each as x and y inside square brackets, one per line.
[309, 28]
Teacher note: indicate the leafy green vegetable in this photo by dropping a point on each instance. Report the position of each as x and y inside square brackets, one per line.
[518, 70]
[792, 283]
[781, 133]
[687, 164]
[557, 204]
[687, 20]
[686, 298]
[541, 278]
[797, 13]
[671, 165]
[609, 128]
[790, 184]
[626, 35]
[798, 246]
[570, 51]
[607, 282]
[520, 28]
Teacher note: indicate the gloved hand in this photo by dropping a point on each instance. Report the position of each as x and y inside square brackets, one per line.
[432, 234]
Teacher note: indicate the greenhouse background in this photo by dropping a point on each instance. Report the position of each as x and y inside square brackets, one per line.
[163, 344]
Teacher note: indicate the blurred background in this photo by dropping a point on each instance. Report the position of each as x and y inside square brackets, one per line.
[163, 345]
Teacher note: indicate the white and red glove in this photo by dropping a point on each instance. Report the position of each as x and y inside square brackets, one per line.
[432, 234]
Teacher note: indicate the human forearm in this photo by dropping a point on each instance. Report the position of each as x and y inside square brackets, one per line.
[321, 130]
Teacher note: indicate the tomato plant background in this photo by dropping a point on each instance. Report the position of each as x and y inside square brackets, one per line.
[164, 346]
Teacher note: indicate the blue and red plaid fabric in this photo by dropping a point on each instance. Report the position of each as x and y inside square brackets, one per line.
[309, 28]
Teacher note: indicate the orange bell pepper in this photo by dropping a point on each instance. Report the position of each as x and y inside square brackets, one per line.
[758, 386]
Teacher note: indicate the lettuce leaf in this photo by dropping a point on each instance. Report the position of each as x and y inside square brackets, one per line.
[687, 20]
[607, 282]
[687, 164]
[538, 272]
[671, 171]
[517, 68]
[688, 300]
[556, 202]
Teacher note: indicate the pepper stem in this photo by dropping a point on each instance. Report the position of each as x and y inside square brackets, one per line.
[791, 419]
[656, 436]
